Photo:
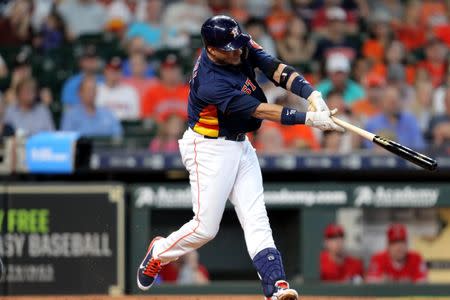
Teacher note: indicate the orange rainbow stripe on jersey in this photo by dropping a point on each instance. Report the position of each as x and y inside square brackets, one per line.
[208, 123]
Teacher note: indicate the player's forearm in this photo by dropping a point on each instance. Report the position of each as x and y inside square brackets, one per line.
[280, 114]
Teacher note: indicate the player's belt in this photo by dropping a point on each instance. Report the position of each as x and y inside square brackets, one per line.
[239, 137]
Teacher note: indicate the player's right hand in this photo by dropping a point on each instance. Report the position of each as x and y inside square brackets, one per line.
[322, 120]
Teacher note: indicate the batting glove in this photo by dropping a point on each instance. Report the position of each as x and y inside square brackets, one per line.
[322, 120]
[316, 102]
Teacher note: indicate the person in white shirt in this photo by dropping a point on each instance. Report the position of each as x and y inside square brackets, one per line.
[121, 99]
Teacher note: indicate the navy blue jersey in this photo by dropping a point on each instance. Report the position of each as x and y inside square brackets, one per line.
[222, 99]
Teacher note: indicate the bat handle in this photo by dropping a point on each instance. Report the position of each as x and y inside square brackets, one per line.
[364, 133]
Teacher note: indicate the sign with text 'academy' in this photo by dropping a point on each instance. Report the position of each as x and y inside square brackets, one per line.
[308, 195]
[62, 239]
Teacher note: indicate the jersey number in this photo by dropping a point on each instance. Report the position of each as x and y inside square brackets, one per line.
[248, 87]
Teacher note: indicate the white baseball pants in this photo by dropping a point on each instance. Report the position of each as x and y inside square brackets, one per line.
[219, 169]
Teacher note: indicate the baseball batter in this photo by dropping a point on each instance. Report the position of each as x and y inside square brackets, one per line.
[226, 102]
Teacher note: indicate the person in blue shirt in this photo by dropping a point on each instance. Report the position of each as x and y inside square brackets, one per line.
[394, 123]
[338, 70]
[88, 119]
[89, 65]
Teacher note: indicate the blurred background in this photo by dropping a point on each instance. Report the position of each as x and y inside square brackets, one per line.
[93, 97]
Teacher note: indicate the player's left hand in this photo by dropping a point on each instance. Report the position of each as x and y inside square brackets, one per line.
[316, 102]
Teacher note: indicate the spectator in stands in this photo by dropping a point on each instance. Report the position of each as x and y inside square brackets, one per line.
[184, 18]
[150, 30]
[89, 65]
[335, 264]
[26, 114]
[137, 46]
[335, 38]
[278, 19]
[118, 16]
[15, 26]
[439, 96]
[338, 69]
[191, 271]
[304, 10]
[186, 270]
[396, 263]
[171, 126]
[257, 30]
[296, 47]
[52, 33]
[87, 118]
[439, 127]
[434, 66]
[83, 17]
[395, 123]
[380, 36]
[396, 76]
[270, 140]
[238, 10]
[328, 12]
[421, 106]
[370, 106]
[119, 98]
[410, 31]
[138, 80]
[169, 94]
[393, 8]
[21, 70]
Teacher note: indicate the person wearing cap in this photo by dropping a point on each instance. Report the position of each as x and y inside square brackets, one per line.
[397, 263]
[331, 12]
[394, 122]
[334, 37]
[335, 264]
[87, 118]
[370, 106]
[338, 70]
[89, 65]
[169, 94]
[121, 99]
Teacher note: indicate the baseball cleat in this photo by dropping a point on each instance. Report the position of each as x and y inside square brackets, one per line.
[283, 292]
[149, 268]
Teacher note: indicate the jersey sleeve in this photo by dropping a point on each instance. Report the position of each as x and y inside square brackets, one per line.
[261, 59]
[229, 100]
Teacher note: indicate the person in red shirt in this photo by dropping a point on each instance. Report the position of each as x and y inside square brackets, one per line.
[434, 67]
[397, 263]
[335, 264]
[169, 94]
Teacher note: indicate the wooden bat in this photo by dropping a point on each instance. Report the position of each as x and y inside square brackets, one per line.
[400, 150]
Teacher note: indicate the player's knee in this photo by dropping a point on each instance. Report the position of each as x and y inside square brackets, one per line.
[206, 234]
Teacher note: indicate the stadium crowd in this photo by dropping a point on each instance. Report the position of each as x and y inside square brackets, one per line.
[120, 68]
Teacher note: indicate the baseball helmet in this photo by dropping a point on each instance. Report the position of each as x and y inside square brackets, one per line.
[224, 33]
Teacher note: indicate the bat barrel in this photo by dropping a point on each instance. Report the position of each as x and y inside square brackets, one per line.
[406, 153]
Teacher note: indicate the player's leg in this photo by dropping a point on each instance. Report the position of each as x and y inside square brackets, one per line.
[248, 200]
[212, 166]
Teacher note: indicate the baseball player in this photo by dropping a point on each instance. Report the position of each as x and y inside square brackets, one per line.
[226, 102]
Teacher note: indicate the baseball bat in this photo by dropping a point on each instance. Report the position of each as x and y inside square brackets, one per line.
[415, 157]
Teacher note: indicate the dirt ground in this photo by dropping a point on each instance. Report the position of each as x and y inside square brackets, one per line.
[179, 297]
[175, 297]
[206, 297]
